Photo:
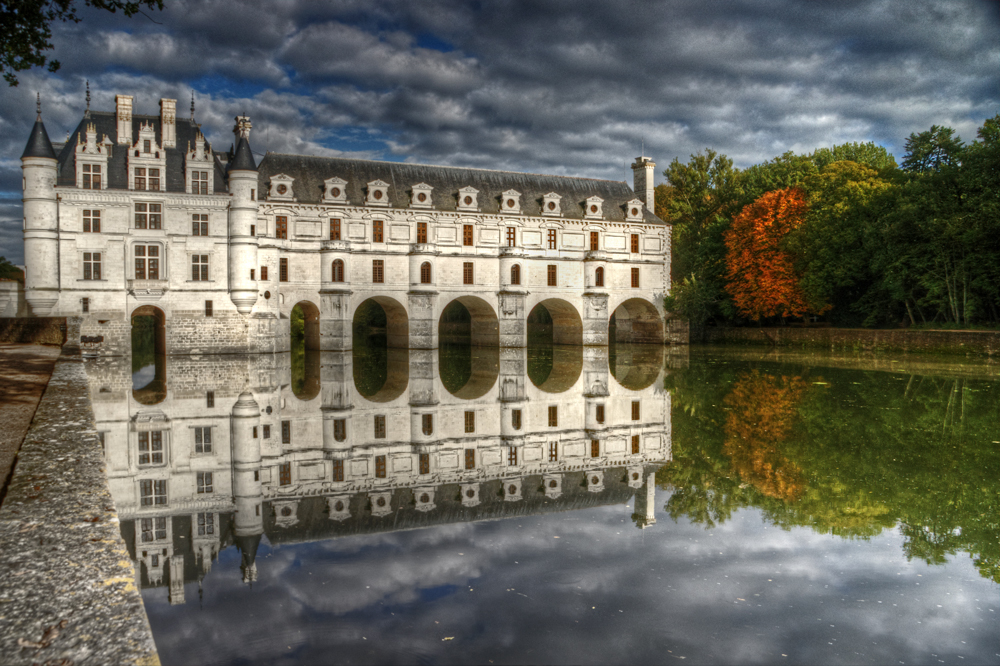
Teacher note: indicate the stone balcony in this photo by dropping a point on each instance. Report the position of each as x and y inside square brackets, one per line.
[423, 248]
[596, 255]
[335, 246]
[148, 290]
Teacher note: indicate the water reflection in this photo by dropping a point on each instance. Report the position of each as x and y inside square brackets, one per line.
[149, 362]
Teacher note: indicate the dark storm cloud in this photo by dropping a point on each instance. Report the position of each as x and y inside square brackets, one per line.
[559, 87]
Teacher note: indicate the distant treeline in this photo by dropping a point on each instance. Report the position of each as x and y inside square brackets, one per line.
[843, 234]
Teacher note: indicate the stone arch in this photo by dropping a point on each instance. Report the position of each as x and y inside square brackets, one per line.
[397, 322]
[469, 351]
[381, 361]
[557, 321]
[636, 320]
[149, 355]
[310, 321]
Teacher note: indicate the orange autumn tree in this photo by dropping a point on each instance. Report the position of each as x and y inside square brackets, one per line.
[762, 410]
[760, 274]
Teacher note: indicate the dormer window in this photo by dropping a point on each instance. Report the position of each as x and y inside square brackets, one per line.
[510, 202]
[593, 208]
[421, 196]
[91, 160]
[468, 199]
[146, 162]
[281, 188]
[199, 167]
[146, 146]
[633, 211]
[551, 204]
[378, 193]
[335, 191]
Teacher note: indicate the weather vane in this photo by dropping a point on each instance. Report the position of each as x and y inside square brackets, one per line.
[88, 95]
[192, 106]
[38, 103]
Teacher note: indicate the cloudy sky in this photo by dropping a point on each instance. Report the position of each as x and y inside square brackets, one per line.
[574, 87]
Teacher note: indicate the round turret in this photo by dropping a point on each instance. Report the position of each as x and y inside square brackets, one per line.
[41, 222]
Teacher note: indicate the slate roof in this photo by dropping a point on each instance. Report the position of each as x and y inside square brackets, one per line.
[310, 172]
[38, 142]
[243, 160]
[117, 177]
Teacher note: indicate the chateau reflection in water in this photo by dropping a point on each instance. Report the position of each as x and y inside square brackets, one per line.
[219, 450]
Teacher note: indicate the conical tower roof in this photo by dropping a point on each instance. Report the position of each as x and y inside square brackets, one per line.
[243, 160]
[38, 143]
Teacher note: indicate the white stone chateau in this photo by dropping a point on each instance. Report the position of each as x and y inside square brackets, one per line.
[138, 214]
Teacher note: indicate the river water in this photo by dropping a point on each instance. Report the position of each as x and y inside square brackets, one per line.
[721, 506]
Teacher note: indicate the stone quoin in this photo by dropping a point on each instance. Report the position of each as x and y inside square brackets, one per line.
[139, 215]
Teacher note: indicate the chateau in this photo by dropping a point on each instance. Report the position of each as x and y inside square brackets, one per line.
[140, 215]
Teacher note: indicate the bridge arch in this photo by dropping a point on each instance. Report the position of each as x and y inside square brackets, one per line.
[636, 320]
[381, 362]
[149, 355]
[556, 322]
[469, 348]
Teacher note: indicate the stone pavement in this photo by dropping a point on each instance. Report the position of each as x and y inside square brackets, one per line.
[68, 591]
[24, 373]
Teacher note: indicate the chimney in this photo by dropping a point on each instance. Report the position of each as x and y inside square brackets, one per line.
[642, 171]
[123, 109]
[168, 122]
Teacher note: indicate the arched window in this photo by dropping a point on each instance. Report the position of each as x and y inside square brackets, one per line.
[599, 277]
[338, 270]
[515, 274]
[425, 273]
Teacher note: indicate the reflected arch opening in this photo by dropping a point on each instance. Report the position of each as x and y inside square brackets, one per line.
[303, 325]
[469, 350]
[149, 355]
[381, 360]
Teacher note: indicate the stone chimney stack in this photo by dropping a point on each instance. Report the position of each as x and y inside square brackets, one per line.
[168, 122]
[123, 109]
[241, 130]
[642, 171]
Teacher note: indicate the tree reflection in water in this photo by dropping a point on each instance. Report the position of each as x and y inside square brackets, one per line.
[842, 451]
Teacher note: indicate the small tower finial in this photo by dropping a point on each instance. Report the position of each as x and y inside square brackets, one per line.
[88, 95]
[192, 106]
[38, 104]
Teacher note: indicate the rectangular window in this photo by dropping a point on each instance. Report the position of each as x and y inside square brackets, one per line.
[266, 431]
[340, 429]
[552, 275]
[334, 228]
[199, 224]
[378, 271]
[635, 443]
[470, 459]
[427, 424]
[154, 180]
[553, 451]
[199, 182]
[595, 448]
[147, 262]
[85, 304]
[635, 243]
[468, 276]
[92, 221]
[635, 278]
[421, 232]
[263, 272]
[152, 493]
[140, 178]
[285, 474]
[595, 241]
[208, 308]
[338, 470]
[205, 485]
[380, 467]
[206, 524]
[253, 273]
[425, 463]
[203, 439]
[511, 236]
[253, 194]
[255, 432]
[553, 416]
[286, 432]
[377, 231]
[199, 267]
[467, 234]
[379, 426]
[210, 397]
[599, 415]
[253, 229]
[515, 419]
[635, 410]
[148, 216]
[470, 422]
[281, 226]
[283, 270]
[91, 265]
[151, 448]
[154, 529]
[91, 176]
[511, 455]
[146, 147]
[552, 239]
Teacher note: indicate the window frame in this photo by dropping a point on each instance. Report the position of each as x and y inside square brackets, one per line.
[378, 231]
[335, 228]
[149, 268]
[552, 240]
[553, 416]
[635, 277]
[552, 275]
[281, 227]
[203, 440]
[151, 215]
[468, 272]
[91, 266]
[337, 270]
[283, 269]
[378, 271]
[468, 237]
[92, 220]
[199, 224]
[199, 268]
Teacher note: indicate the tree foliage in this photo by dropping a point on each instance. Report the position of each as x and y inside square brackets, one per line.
[9, 271]
[26, 29]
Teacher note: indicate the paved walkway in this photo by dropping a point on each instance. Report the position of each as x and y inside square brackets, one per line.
[24, 374]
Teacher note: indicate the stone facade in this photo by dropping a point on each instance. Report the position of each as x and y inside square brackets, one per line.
[139, 214]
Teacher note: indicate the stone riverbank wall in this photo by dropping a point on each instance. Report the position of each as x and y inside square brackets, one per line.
[69, 592]
[966, 343]
[34, 330]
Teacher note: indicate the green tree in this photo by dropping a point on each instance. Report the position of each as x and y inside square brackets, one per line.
[26, 29]
[9, 271]
[869, 154]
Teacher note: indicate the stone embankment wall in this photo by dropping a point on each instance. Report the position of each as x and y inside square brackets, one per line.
[33, 330]
[976, 343]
